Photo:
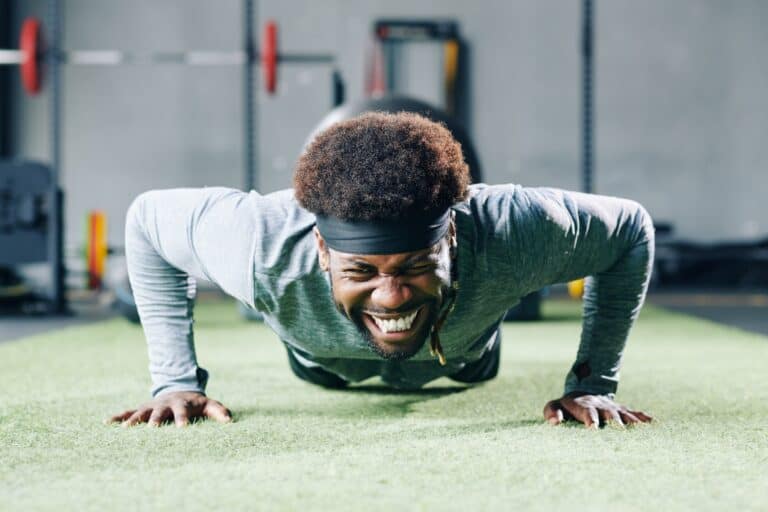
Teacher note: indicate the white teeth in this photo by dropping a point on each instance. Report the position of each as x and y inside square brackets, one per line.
[402, 323]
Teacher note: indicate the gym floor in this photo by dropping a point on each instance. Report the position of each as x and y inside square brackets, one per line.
[745, 310]
[449, 447]
[17, 327]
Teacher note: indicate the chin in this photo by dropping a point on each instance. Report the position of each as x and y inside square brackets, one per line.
[396, 353]
[402, 345]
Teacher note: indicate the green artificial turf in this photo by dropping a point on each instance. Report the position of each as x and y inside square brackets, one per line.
[294, 446]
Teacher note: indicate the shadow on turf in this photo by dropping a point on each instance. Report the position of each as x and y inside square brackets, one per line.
[350, 402]
[434, 391]
[558, 317]
[388, 403]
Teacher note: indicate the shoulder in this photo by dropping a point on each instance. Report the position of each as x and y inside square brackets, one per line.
[487, 203]
[488, 208]
[284, 245]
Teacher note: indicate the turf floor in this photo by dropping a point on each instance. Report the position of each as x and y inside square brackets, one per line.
[294, 446]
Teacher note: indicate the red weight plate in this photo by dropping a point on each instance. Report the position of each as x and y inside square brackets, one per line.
[29, 44]
[269, 56]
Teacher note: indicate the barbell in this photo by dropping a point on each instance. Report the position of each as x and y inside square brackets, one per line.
[32, 55]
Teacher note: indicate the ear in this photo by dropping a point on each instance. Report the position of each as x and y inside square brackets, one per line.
[322, 251]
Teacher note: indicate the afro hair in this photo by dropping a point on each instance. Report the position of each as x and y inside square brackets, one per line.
[381, 166]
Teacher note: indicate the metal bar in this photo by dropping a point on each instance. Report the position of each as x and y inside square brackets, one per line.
[55, 217]
[249, 103]
[93, 57]
[200, 58]
[11, 57]
[587, 92]
[6, 101]
[207, 58]
[392, 56]
[305, 59]
[187, 58]
[338, 87]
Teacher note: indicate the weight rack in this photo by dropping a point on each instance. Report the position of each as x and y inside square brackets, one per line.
[42, 57]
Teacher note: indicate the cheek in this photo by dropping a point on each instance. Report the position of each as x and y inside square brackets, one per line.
[347, 293]
[430, 284]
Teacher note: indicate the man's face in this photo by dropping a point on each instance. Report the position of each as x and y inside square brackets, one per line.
[393, 299]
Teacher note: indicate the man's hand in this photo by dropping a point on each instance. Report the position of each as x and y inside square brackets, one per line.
[591, 410]
[179, 407]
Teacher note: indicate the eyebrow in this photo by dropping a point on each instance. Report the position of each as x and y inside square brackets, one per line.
[357, 263]
[409, 261]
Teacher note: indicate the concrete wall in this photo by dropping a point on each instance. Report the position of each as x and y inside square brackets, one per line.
[683, 112]
[682, 109]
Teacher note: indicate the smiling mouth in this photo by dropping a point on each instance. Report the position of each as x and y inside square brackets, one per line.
[396, 328]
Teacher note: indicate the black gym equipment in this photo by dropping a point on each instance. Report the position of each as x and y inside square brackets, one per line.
[30, 222]
[393, 35]
[398, 103]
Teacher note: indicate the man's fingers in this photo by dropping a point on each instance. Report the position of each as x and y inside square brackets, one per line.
[180, 415]
[158, 416]
[117, 418]
[215, 410]
[137, 417]
[179, 407]
[642, 416]
[612, 415]
[592, 410]
[629, 418]
[553, 413]
[585, 414]
[591, 418]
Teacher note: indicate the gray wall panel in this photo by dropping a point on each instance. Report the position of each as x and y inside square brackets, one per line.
[682, 110]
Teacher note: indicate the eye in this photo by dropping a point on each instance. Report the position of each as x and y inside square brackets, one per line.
[358, 273]
[421, 269]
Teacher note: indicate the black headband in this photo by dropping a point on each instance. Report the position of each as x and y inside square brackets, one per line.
[383, 237]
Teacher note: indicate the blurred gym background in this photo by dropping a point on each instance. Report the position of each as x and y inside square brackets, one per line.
[664, 103]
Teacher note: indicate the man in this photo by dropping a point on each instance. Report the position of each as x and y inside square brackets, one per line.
[383, 261]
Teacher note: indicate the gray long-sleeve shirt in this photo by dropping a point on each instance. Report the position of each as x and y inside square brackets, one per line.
[260, 249]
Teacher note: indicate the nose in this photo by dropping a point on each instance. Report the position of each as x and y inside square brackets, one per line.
[391, 293]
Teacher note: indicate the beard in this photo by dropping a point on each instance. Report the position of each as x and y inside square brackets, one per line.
[407, 350]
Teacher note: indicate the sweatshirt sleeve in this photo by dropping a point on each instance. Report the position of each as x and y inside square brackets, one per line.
[170, 236]
[558, 236]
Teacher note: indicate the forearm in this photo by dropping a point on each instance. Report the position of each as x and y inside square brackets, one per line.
[165, 306]
[612, 301]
